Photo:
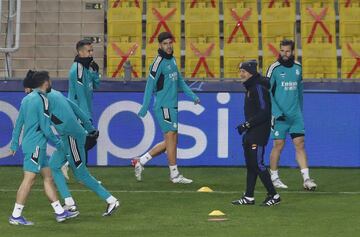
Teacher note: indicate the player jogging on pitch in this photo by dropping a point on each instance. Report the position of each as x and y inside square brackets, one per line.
[163, 82]
[34, 117]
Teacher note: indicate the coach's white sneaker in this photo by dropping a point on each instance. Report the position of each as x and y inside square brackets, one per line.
[180, 180]
[309, 185]
[138, 168]
[278, 184]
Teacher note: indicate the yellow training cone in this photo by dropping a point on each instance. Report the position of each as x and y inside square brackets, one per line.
[205, 190]
[216, 213]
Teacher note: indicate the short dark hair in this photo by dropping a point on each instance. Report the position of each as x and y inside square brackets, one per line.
[28, 82]
[40, 77]
[80, 44]
[164, 35]
[286, 42]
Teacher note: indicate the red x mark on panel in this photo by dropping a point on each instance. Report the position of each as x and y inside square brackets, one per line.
[356, 56]
[347, 4]
[273, 50]
[117, 3]
[202, 59]
[240, 24]
[271, 3]
[124, 57]
[213, 5]
[162, 22]
[318, 21]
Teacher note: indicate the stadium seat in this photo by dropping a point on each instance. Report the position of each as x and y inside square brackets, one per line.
[229, 4]
[273, 4]
[349, 21]
[202, 22]
[350, 61]
[124, 21]
[278, 22]
[126, 4]
[193, 4]
[316, 4]
[120, 52]
[319, 60]
[240, 26]
[318, 24]
[202, 59]
[234, 54]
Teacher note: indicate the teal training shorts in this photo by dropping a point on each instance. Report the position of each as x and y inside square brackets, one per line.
[293, 125]
[34, 162]
[167, 119]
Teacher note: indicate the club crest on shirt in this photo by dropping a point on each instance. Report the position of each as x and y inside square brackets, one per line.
[297, 72]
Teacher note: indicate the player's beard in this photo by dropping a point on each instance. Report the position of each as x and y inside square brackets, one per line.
[287, 62]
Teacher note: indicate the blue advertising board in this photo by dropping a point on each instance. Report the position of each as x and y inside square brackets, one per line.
[207, 134]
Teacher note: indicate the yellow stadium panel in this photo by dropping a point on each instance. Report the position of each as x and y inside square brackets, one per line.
[118, 53]
[152, 52]
[126, 4]
[202, 22]
[240, 25]
[124, 14]
[350, 61]
[229, 4]
[278, 4]
[202, 60]
[318, 25]
[278, 14]
[192, 4]
[124, 22]
[349, 22]
[163, 4]
[348, 3]
[234, 54]
[275, 30]
[319, 60]
[163, 19]
[317, 3]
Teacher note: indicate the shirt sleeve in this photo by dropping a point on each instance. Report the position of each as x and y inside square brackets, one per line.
[76, 87]
[185, 88]
[301, 93]
[276, 111]
[155, 71]
[17, 130]
[95, 79]
[86, 120]
[43, 114]
[262, 100]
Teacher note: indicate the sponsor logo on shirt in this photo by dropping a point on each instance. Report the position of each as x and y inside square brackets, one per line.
[289, 85]
[173, 76]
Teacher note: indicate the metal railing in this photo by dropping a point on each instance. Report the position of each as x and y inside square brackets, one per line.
[12, 36]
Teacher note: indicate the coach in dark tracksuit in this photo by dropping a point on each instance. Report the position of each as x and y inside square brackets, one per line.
[256, 131]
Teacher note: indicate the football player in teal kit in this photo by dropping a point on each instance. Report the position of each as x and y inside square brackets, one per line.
[286, 91]
[164, 82]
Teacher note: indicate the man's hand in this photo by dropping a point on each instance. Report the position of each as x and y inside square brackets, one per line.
[197, 101]
[12, 152]
[91, 139]
[281, 118]
[142, 113]
[243, 127]
[94, 66]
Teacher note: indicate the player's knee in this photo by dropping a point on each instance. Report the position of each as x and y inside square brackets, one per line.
[279, 145]
[299, 145]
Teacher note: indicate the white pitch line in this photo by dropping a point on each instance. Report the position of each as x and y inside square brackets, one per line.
[185, 191]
